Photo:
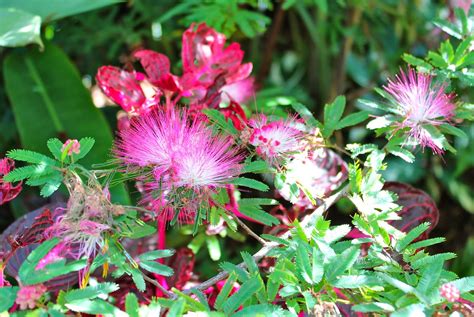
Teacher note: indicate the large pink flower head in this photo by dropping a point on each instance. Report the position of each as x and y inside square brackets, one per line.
[275, 141]
[184, 159]
[422, 105]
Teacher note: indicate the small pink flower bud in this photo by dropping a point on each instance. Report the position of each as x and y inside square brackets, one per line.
[72, 145]
[28, 296]
[450, 292]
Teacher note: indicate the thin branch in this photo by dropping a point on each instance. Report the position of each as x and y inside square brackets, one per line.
[307, 224]
[164, 290]
[247, 229]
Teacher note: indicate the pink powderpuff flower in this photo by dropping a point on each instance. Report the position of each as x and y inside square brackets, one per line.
[275, 141]
[28, 295]
[72, 146]
[186, 160]
[84, 237]
[450, 292]
[422, 105]
[8, 191]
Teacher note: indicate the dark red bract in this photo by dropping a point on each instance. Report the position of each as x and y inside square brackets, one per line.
[8, 191]
[213, 77]
[418, 207]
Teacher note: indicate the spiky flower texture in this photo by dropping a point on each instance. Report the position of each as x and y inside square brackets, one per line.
[422, 105]
[186, 162]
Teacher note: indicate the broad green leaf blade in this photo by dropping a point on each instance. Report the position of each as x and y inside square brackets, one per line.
[56, 9]
[46, 85]
[19, 28]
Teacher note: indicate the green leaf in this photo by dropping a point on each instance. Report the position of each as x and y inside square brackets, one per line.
[255, 212]
[131, 305]
[28, 273]
[156, 254]
[225, 290]
[430, 278]
[156, 267]
[31, 171]
[373, 308]
[402, 153]
[465, 284]
[411, 235]
[356, 281]
[91, 292]
[332, 114]
[261, 310]
[306, 115]
[426, 243]
[86, 145]
[415, 61]
[31, 157]
[341, 263]
[8, 296]
[95, 306]
[56, 9]
[55, 146]
[404, 287]
[255, 167]
[19, 28]
[214, 248]
[303, 264]
[46, 85]
[447, 128]
[177, 309]
[259, 201]
[220, 120]
[352, 119]
[432, 258]
[138, 279]
[246, 291]
[49, 188]
[250, 183]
